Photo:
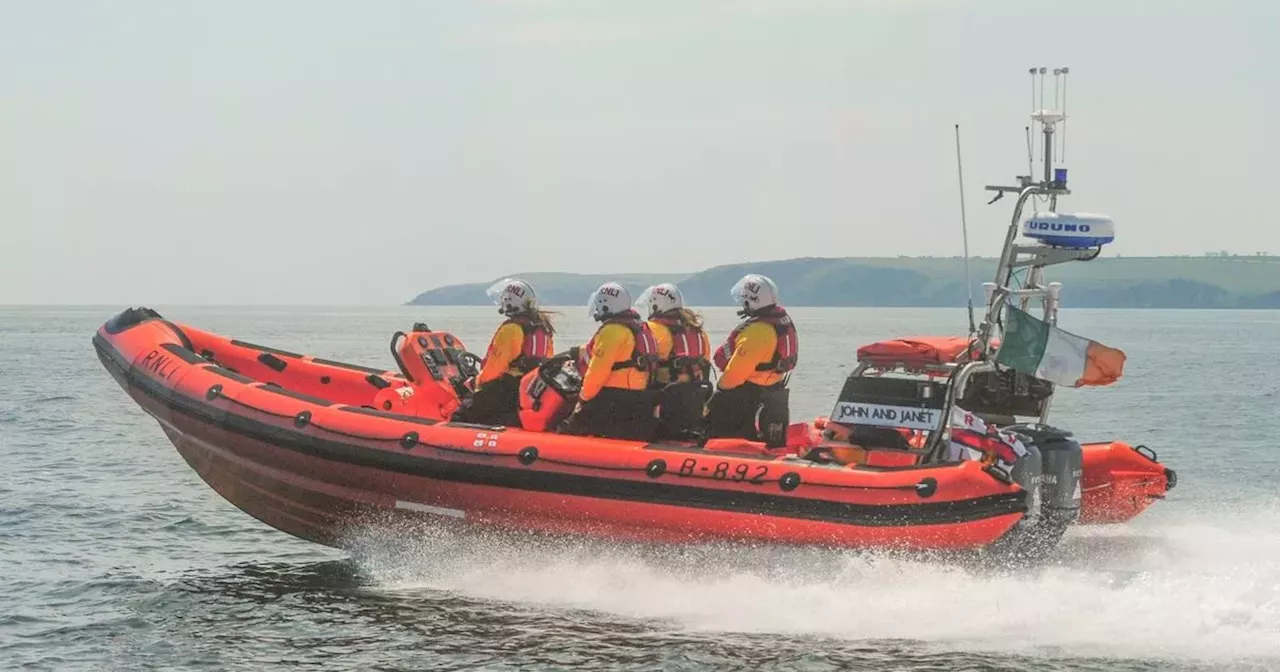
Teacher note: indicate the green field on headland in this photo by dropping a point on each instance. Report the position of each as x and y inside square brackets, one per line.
[1218, 281]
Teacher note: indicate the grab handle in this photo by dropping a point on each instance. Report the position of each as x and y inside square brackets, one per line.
[395, 354]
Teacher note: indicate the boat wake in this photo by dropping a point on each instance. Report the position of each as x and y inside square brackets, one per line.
[1191, 588]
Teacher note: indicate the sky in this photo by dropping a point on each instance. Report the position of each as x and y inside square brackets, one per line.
[317, 152]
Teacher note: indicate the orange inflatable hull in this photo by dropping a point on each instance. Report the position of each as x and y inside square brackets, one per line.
[307, 446]
[1120, 481]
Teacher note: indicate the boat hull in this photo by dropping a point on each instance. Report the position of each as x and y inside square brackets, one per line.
[323, 471]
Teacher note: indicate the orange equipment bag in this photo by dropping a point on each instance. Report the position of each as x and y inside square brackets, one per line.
[548, 394]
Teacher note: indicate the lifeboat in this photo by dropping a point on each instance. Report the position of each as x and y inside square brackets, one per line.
[931, 445]
[312, 447]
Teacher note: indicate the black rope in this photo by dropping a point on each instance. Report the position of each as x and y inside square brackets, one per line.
[567, 463]
[355, 436]
[464, 451]
[843, 486]
[255, 408]
[313, 424]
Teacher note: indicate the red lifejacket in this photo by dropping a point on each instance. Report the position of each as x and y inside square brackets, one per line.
[785, 353]
[687, 357]
[533, 351]
[644, 355]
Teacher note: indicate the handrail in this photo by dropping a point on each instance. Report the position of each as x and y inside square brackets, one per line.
[395, 355]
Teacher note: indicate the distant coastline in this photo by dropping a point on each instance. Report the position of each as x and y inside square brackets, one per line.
[1211, 281]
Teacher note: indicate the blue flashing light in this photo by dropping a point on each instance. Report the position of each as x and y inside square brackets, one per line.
[1060, 176]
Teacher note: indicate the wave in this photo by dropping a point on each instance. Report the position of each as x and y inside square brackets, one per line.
[1190, 588]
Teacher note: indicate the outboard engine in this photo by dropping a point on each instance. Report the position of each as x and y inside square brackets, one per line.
[1028, 473]
[1062, 465]
[1051, 473]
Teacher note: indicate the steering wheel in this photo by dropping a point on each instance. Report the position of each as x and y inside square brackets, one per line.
[469, 363]
[561, 367]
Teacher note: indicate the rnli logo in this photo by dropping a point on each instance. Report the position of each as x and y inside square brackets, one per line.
[1058, 226]
[610, 291]
[516, 289]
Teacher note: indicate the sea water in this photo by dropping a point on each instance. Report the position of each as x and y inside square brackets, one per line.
[115, 555]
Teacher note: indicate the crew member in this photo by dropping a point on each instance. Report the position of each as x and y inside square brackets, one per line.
[751, 397]
[522, 342]
[683, 368]
[616, 366]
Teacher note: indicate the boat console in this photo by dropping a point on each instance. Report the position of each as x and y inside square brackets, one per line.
[436, 366]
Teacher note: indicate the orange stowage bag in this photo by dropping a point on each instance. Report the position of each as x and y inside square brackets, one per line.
[919, 350]
[854, 454]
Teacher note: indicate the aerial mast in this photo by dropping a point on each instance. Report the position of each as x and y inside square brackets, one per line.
[1051, 237]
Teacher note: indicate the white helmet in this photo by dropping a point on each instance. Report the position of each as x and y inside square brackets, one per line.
[512, 296]
[611, 299]
[662, 298]
[754, 292]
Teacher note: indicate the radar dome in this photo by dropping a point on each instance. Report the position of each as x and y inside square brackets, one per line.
[1079, 230]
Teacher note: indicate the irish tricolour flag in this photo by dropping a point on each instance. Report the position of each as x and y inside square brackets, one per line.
[1039, 349]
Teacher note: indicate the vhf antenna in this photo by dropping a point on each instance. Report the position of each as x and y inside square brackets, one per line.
[964, 227]
[1063, 71]
[1031, 143]
[1030, 160]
